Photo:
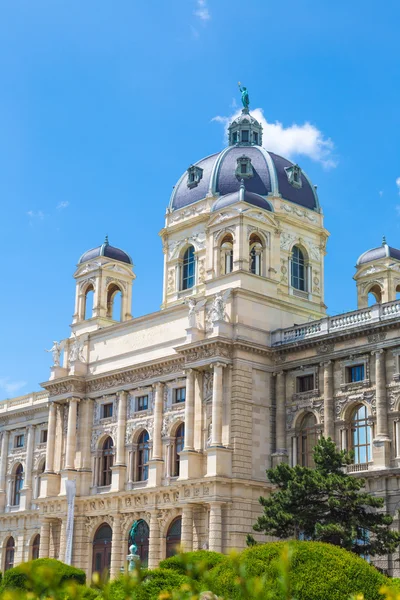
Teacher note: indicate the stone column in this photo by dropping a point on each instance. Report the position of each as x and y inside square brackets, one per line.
[294, 450]
[63, 539]
[397, 425]
[329, 408]
[86, 422]
[187, 528]
[189, 410]
[158, 410]
[3, 460]
[116, 547]
[198, 411]
[121, 430]
[382, 430]
[280, 419]
[71, 435]
[215, 527]
[217, 396]
[29, 457]
[44, 548]
[51, 439]
[154, 541]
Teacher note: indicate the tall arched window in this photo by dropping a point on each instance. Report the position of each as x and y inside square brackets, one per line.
[143, 457]
[114, 302]
[298, 269]
[139, 535]
[17, 484]
[10, 552]
[102, 543]
[35, 547]
[179, 443]
[40, 472]
[256, 252]
[88, 302]
[174, 537]
[227, 255]
[107, 460]
[306, 440]
[361, 436]
[188, 269]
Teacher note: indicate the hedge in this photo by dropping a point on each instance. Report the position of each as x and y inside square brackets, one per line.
[47, 570]
[317, 571]
[155, 581]
[206, 558]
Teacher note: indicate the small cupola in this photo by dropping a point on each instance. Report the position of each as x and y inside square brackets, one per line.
[378, 275]
[245, 130]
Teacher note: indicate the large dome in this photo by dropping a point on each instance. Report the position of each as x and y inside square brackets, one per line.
[270, 175]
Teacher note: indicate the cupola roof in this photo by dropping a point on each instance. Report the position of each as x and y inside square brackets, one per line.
[383, 251]
[241, 195]
[106, 250]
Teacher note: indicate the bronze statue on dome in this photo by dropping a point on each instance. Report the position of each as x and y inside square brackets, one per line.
[245, 96]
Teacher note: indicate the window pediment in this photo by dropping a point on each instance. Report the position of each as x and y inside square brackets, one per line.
[195, 174]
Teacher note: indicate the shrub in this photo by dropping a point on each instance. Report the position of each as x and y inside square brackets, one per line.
[317, 570]
[46, 571]
[155, 581]
[204, 558]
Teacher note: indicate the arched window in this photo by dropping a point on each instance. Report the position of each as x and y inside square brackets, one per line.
[10, 552]
[102, 543]
[89, 301]
[306, 440]
[174, 537]
[107, 459]
[178, 447]
[374, 295]
[17, 484]
[188, 269]
[139, 535]
[298, 269]
[114, 303]
[256, 252]
[143, 457]
[361, 436]
[35, 547]
[227, 255]
[398, 292]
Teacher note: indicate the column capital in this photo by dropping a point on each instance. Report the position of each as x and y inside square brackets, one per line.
[326, 363]
[158, 385]
[280, 373]
[73, 400]
[378, 352]
[122, 392]
[189, 371]
[217, 364]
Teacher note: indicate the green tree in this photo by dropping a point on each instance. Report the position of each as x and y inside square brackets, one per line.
[326, 504]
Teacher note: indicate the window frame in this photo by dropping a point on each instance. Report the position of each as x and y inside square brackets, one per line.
[106, 407]
[143, 456]
[176, 393]
[43, 436]
[307, 438]
[298, 265]
[188, 277]
[138, 402]
[18, 483]
[107, 462]
[19, 440]
[357, 426]
[301, 379]
[179, 443]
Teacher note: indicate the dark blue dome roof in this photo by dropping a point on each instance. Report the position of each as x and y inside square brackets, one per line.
[383, 251]
[108, 251]
[269, 177]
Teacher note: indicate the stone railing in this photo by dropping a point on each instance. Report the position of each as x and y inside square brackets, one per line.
[357, 468]
[32, 399]
[350, 320]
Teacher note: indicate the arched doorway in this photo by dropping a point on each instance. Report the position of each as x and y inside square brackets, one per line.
[139, 535]
[102, 549]
[174, 537]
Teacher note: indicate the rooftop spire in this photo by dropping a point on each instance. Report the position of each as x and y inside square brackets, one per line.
[384, 241]
[106, 240]
[245, 130]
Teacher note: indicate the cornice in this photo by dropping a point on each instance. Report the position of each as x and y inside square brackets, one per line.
[216, 349]
[65, 386]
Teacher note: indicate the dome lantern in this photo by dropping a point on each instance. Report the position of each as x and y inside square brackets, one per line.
[245, 130]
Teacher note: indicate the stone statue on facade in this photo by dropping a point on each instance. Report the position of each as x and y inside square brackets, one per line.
[56, 352]
[245, 96]
[194, 307]
[76, 350]
[217, 311]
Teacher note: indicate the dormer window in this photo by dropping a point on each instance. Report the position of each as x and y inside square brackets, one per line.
[294, 176]
[194, 176]
[244, 169]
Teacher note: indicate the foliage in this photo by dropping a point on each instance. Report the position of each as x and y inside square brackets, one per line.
[146, 585]
[317, 571]
[180, 562]
[326, 504]
[44, 573]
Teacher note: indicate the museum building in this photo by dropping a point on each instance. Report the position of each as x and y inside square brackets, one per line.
[158, 429]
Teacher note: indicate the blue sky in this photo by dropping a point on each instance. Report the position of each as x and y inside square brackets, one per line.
[104, 104]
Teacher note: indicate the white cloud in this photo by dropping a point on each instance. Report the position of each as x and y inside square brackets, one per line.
[380, 193]
[202, 11]
[398, 184]
[292, 141]
[11, 387]
[36, 214]
[62, 205]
